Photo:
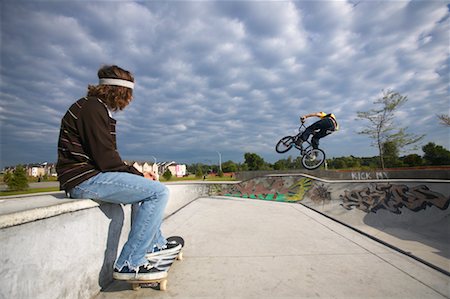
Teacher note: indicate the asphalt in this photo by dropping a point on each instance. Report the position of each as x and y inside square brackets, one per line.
[241, 248]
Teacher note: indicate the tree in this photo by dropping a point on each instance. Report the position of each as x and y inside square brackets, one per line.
[436, 154]
[198, 171]
[445, 119]
[390, 154]
[381, 127]
[282, 164]
[413, 160]
[7, 177]
[167, 175]
[253, 161]
[229, 166]
[18, 180]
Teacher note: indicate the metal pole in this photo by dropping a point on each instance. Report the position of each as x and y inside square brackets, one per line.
[157, 170]
[220, 161]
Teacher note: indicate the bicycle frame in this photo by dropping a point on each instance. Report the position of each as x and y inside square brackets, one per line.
[311, 158]
[300, 147]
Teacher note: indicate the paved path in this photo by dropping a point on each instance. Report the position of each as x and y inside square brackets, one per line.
[239, 248]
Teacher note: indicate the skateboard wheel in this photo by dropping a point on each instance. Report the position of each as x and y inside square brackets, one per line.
[180, 256]
[135, 286]
[163, 285]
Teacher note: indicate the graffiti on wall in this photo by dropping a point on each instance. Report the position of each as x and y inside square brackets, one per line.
[273, 189]
[393, 198]
[362, 175]
[368, 199]
[320, 193]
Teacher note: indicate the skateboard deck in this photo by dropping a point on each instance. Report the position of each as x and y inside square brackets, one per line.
[161, 283]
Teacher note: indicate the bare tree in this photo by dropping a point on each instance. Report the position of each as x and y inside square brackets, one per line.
[445, 119]
[381, 123]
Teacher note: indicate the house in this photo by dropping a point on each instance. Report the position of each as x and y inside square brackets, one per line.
[178, 170]
[36, 171]
[40, 170]
[144, 166]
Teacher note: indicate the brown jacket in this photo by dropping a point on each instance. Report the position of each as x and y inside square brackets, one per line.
[87, 144]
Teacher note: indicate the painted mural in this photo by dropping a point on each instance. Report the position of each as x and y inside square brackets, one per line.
[376, 196]
[269, 188]
[393, 198]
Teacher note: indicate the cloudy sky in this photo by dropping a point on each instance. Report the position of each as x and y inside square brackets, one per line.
[225, 76]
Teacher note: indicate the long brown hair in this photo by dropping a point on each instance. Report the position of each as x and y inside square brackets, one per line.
[116, 97]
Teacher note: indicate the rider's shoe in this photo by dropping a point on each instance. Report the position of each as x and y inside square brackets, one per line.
[299, 142]
[145, 272]
[171, 248]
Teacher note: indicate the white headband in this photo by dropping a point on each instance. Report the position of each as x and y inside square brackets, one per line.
[117, 82]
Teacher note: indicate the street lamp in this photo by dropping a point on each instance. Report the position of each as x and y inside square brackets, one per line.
[220, 161]
[157, 170]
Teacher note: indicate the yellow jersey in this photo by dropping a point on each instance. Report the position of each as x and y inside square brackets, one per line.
[333, 118]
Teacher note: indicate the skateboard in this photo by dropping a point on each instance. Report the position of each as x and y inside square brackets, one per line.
[163, 262]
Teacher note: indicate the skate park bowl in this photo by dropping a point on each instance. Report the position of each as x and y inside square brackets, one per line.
[54, 247]
[409, 215]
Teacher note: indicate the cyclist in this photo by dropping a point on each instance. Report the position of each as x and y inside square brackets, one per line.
[321, 128]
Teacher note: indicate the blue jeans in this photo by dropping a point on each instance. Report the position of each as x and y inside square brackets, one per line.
[150, 199]
[323, 127]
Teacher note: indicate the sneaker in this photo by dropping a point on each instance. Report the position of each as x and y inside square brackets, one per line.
[162, 262]
[145, 272]
[172, 248]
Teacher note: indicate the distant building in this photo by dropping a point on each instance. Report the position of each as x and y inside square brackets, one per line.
[145, 166]
[36, 171]
[49, 169]
[40, 170]
[178, 170]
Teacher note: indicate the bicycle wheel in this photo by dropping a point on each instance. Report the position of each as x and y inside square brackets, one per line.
[313, 159]
[284, 144]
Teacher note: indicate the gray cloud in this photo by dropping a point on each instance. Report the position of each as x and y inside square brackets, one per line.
[221, 76]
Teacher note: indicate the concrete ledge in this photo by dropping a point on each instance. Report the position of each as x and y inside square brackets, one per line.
[16, 210]
[50, 205]
[55, 247]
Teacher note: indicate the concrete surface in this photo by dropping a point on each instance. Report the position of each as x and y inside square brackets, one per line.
[437, 172]
[67, 255]
[52, 247]
[55, 247]
[240, 248]
[412, 215]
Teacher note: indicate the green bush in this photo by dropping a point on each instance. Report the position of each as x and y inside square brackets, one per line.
[17, 180]
[167, 175]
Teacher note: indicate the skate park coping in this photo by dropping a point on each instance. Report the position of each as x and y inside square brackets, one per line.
[306, 230]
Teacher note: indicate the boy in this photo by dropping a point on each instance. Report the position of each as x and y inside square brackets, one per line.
[89, 166]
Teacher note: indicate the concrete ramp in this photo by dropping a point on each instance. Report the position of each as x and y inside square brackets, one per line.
[240, 248]
[411, 216]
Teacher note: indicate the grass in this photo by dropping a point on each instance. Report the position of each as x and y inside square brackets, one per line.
[193, 178]
[173, 179]
[29, 191]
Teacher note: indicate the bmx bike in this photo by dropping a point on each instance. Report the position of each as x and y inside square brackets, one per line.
[311, 158]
